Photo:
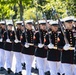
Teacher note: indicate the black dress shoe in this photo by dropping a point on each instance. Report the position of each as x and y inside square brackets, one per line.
[16, 74]
[20, 73]
[2, 68]
[23, 65]
[58, 73]
[9, 70]
[47, 73]
[63, 74]
[34, 70]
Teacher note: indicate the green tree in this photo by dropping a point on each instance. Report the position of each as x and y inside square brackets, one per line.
[70, 7]
[19, 4]
[29, 8]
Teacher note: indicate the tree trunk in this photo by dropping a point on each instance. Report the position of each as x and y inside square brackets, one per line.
[21, 10]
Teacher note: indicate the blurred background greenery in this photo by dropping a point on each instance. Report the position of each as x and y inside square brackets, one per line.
[27, 9]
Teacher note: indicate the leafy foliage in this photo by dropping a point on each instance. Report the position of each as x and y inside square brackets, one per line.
[27, 9]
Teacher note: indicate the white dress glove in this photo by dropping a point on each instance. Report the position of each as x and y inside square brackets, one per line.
[1, 40]
[66, 47]
[8, 40]
[40, 45]
[26, 45]
[16, 41]
[50, 46]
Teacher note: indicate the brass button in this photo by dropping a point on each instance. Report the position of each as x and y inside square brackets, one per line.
[31, 37]
[55, 36]
[71, 42]
[56, 43]
[70, 37]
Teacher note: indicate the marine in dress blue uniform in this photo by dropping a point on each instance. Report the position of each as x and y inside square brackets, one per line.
[28, 45]
[8, 41]
[17, 47]
[68, 49]
[41, 52]
[2, 51]
[53, 54]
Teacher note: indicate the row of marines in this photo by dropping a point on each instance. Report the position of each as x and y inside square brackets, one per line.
[45, 42]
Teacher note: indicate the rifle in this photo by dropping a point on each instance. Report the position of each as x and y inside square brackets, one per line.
[44, 17]
[60, 24]
[14, 30]
[6, 29]
[38, 21]
[25, 32]
[38, 27]
[8, 40]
